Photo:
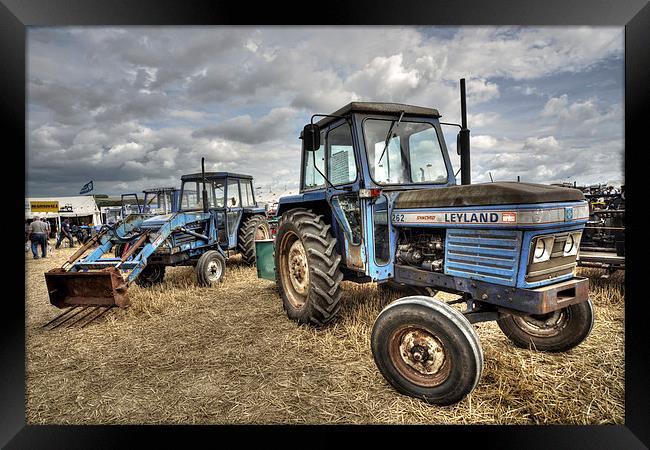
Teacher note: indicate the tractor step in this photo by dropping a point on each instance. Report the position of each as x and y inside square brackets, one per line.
[104, 287]
[80, 316]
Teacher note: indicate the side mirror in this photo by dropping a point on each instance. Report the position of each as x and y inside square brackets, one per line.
[311, 137]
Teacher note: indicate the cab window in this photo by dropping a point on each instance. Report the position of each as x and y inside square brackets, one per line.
[311, 178]
[247, 193]
[342, 168]
[233, 194]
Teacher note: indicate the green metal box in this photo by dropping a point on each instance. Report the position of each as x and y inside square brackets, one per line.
[264, 259]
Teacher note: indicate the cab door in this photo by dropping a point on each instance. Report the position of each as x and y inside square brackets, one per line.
[341, 167]
[234, 211]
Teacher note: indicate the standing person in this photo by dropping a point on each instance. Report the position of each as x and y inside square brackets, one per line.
[38, 230]
[65, 232]
[27, 222]
[47, 235]
[54, 230]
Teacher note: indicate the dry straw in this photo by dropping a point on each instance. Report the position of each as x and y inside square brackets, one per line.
[229, 354]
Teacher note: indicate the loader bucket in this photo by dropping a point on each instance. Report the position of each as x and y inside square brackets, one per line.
[104, 287]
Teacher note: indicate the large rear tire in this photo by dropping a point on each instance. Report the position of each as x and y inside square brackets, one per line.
[255, 228]
[307, 268]
[427, 349]
[150, 275]
[211, 268]
[558, 331]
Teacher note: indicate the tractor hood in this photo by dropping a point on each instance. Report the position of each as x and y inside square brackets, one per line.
[157, 221]
[501, 193]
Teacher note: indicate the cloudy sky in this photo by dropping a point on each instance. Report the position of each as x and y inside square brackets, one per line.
[132, 108]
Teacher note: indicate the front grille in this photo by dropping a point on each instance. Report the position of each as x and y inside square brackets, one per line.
[557, 265]
[487, 255]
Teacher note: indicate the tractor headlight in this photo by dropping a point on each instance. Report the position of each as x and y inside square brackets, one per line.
[543, 247]
[571, 244]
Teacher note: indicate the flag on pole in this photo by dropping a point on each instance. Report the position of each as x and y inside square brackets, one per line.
[87, 188]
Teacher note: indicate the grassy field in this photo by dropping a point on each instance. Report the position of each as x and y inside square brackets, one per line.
[229, 354]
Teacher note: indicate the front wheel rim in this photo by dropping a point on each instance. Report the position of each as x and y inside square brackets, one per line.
[543, 326]
[214, 270]
[419, 356]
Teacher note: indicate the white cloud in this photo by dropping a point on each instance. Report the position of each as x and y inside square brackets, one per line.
[135, 105]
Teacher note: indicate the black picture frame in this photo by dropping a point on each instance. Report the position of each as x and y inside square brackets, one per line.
[16, 15]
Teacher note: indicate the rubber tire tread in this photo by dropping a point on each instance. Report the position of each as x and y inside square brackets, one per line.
[152, 274]
[246, 238]
[581, 320]
[324, 296]
[447, 324]
[202, 264]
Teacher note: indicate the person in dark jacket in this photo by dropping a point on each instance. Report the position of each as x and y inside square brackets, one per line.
[65, 232]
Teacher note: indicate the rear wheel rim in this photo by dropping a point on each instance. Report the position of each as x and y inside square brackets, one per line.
[294, 270]
[419, 356]
[262, 232]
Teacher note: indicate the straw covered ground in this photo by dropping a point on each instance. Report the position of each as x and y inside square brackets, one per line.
[229, 354]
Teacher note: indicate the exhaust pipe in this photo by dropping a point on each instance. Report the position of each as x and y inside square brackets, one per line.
[463, 139]
[205, 193]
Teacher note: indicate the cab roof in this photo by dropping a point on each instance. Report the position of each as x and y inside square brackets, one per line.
[208, 175]
[379, 108]
[160, 189]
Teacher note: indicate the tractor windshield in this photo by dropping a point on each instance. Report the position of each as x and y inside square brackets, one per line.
[157, 202]
[413, 154]
[191, 194]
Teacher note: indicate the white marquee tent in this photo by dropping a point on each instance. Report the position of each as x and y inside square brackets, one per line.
[80, 206]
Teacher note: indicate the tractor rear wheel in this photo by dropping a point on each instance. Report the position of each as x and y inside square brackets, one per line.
[210, 268]
[150, 275]
[557, 331]
[255, 228]
[307, 268]
[118, 250]
[427, 349]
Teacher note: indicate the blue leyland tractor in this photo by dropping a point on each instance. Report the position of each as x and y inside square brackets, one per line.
[216, 213]
[379, 202]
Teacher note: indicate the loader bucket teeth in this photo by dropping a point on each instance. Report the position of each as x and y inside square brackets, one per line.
[104, 287]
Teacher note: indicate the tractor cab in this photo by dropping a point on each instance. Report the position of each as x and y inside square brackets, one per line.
[356, 161]
[157, 201]
[229, 197]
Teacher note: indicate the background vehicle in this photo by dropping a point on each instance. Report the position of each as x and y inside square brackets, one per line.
[161, 200]
[379, 202]
[217, 213]
[603, 243]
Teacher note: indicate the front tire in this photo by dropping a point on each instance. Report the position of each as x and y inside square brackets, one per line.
[255, 228]
[307, 268]
[211, 268]
[558, 331]
[427, 349]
